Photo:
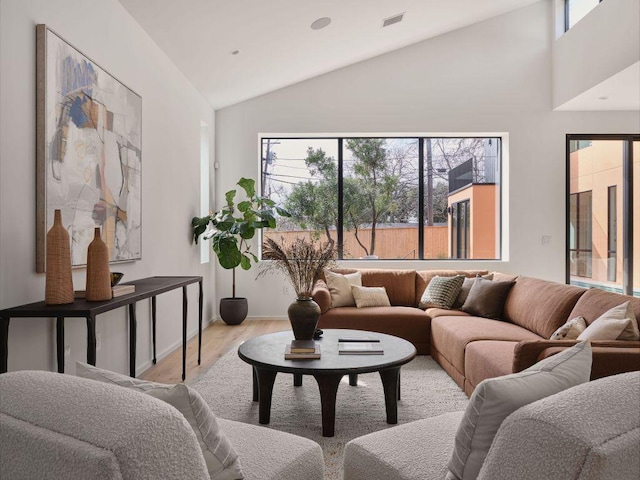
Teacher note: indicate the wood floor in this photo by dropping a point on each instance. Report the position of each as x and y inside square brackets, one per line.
[217, 339]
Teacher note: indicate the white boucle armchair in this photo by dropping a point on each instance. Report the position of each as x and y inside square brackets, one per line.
[55, 426]
[588, 432]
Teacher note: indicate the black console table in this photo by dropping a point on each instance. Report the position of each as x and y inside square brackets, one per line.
[145, 288]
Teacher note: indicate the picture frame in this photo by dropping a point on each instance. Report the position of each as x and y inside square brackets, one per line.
[88, 153]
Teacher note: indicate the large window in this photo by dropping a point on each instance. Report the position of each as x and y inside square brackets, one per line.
[602, 212]
[388, 197]
[576, 10]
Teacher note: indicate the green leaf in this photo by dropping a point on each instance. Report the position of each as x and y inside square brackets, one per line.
[244, 206]
[230, 195]
[245, 262]
[282, 212]
[199, 226]
[255, 259]
[249, 186]
[226, 248]
[267, 201]
[248, 232]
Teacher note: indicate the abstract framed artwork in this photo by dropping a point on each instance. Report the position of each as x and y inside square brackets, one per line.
[88, 153]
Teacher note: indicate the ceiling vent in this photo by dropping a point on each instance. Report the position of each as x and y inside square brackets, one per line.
[392, 20]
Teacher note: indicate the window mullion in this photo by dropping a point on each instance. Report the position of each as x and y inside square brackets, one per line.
[421, 198]
[339, 227]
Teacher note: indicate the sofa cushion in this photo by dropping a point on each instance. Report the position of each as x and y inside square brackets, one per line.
[221, 458]
[596, 301]
[340, 287]
[370, 296]
[618, 323]
[591, 431]
[409, 323]
[423, 277]
[444, 312]
[496, 398]
[400, 284]
[539, 305]
[450, 335]
[441, 292]
[487, 359]
[415, 450]
[466, 288]
[570, 330]
[486, 298]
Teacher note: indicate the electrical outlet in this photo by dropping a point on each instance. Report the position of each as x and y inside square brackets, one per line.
[67, 355]
[98, 342]
[285, 289]
[546, 239]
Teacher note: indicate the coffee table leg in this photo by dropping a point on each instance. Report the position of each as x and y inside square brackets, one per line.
[328, 385]
[297, 379]
[353, 379]
[255, 384]
[265, 389]
[390, 378]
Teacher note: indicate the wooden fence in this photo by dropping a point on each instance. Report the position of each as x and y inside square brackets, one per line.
[391, 242]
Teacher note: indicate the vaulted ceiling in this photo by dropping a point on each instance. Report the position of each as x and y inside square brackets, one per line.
[275, 43]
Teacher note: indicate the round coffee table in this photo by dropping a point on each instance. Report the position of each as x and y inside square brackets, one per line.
[266, 355]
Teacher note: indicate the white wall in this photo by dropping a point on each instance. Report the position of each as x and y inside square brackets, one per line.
[600, 45]
[494, 76]
[172, 111]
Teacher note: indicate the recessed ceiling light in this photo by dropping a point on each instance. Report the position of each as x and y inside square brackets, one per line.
[392, 20]
[235, 52]
[320, 23]
[603, 98]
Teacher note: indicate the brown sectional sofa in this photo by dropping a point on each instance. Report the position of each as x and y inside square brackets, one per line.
[473, 348]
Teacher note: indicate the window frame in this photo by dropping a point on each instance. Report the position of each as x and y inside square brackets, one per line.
[627, 203]
[566, 14]
[499, 137]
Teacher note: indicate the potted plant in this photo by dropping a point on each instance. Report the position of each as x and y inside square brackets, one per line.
[233, 227]
[302, 262]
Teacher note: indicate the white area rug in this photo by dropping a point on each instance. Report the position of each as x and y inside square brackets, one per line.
[426, 390]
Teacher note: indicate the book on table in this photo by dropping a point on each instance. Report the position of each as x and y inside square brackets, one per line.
[116, 291]
[303, 346]
[360, 348]
[315, 355]
[358, 339]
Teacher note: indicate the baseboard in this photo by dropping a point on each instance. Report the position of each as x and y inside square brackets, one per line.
[170, 349]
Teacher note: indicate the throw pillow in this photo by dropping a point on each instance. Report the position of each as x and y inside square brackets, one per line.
[221, 458]
[618, 323]
[441, 292]
[570, 330]
[340, 287]
[486, 298]
[466, 288]
[370, 296]
[495, 399]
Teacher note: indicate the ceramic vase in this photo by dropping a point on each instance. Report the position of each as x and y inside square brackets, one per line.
[98, 277]
[58, 280]
[303, 315]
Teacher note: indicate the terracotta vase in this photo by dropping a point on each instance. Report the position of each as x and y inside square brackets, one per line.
[98, 278]
[58, 280]
[303, 315]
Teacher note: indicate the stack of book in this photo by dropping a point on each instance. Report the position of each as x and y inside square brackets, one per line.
[359, 346]
[116, 291]
[302, 350]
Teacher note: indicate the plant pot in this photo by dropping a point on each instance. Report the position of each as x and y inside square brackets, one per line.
[233, 310]
[303, 315]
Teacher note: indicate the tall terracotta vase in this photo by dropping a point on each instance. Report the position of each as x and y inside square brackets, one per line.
[303, 315]
[58, 281]
[98, 280]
